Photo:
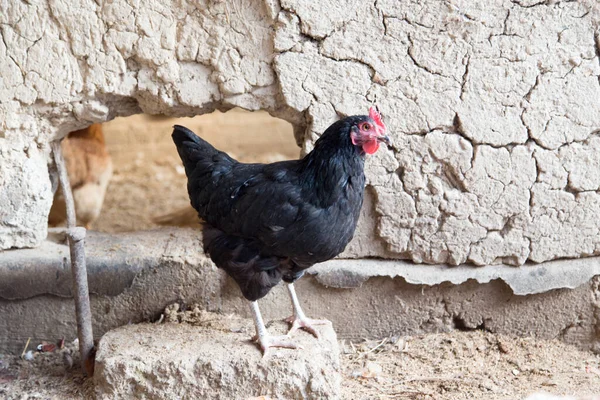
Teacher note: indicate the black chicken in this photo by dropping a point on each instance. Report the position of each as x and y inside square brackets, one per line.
[268, 222]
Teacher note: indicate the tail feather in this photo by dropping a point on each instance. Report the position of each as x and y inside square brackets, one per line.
[191, 148]
[205, 168]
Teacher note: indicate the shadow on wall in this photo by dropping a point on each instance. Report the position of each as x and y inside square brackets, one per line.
[148, 184]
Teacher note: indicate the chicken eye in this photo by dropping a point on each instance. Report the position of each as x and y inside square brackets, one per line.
[367, 126]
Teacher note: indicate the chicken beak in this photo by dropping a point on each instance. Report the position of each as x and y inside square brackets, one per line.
[385, 139]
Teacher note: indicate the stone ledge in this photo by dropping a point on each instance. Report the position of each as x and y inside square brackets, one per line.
[114, 261]
[134, 276]
[215, 361]
[524, 280]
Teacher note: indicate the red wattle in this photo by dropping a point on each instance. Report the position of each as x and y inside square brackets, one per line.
[371, 146]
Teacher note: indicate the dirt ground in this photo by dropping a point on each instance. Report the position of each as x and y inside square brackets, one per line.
[46, 375]
[457, 365]
[467, 365]
[149, 182]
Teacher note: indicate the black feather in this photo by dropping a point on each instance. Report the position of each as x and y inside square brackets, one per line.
[268, 222]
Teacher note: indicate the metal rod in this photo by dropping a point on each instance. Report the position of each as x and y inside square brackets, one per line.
[76, 237]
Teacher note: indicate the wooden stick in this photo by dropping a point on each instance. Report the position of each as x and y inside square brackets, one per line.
[25, 349]
[76, 236]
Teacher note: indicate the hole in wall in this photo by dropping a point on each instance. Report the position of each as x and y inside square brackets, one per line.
[148, 187]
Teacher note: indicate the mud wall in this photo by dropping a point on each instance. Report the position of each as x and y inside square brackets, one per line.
[493, 106]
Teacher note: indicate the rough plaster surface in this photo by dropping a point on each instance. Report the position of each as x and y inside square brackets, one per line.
[493, 107]
[175, 361]
[134, 276]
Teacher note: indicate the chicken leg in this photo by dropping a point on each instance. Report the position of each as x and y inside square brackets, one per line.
[299, 320]
[264, 339]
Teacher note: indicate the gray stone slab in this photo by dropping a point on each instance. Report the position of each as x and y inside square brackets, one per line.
[134, 276]
[114, 261]
[523, 280]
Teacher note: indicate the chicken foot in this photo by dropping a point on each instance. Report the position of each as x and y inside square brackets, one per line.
[299, 320]
[264, 339]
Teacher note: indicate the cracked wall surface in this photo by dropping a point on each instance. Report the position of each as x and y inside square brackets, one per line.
[493, 106]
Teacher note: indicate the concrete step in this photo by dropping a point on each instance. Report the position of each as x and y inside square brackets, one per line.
[134, 276]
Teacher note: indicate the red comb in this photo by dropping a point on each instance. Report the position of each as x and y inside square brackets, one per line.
[376, 117]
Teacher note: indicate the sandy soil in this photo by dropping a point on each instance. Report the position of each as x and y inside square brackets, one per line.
[458, 365]
[49, 375]
[467, 365]
[149, 182]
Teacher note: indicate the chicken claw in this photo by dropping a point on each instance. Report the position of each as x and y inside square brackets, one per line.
[299, 320]
[308, 324]
[267, 341]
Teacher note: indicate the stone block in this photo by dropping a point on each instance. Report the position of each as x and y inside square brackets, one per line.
[214, 361]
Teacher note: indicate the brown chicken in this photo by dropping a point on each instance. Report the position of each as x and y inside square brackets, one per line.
[89, 168]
